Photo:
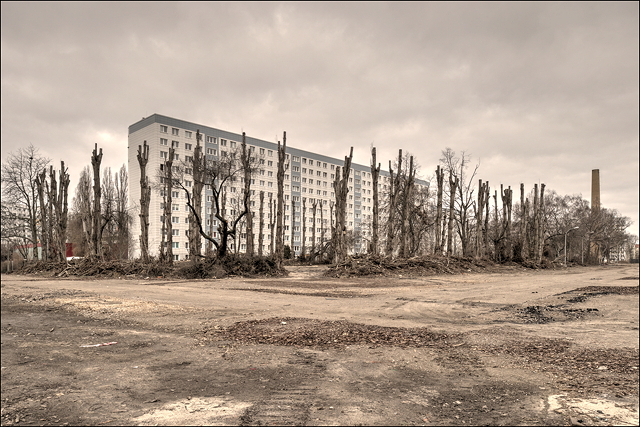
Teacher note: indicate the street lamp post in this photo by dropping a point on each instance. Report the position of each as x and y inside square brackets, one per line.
[565, 244]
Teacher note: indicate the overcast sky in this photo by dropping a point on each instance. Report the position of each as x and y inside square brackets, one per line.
[533, 92]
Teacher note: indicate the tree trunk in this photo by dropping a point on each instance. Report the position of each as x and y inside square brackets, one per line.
[394, 184]
[198, 169]
[375, 174]
[541, 225]
[536, 224]
[487, 202]
[524, 252]
[62, 210]
[404, 217]
[322, 230]
[303, 225]
[506, 196]
[145, 198]
[272, 224]
[453, 183]
[261, 225]
[341, 188]
[313, 230]
[482, 194]
[96, 159]
[246, 166]
[279, 210]
[44, 245]
[439, 226]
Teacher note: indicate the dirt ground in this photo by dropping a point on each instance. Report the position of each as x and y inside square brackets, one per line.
[516, 347]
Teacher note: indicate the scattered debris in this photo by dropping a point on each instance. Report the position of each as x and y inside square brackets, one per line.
[318, 333]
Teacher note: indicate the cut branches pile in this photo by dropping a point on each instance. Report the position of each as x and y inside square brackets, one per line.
[417, 266]
[210, 269]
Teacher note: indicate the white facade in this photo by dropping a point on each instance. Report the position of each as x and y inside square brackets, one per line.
[309, 177]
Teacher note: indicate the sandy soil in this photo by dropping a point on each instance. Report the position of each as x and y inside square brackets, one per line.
[518, 347]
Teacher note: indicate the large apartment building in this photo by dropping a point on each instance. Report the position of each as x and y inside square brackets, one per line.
[308, 178]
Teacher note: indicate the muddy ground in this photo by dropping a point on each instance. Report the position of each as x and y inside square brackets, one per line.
[516, 347]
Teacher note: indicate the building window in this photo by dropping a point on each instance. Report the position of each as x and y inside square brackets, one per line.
[164, 154]
[175, 131]
[175, 219]
[262, 151]
[175, 232]
[187, 146]
[211, 139]
[175, 194]
[270, 153]
[187, 183]
[175, 245]
[175, 144]
[163, 129]
[176, 156]
[163, 141]
[187, 133]
[232, 144]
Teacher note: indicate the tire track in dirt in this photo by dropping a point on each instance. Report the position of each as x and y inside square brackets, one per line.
[290, 405]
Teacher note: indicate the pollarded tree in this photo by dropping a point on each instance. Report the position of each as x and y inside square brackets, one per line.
[145, 200]
[341, 188]
[375, 174]
[282, 166]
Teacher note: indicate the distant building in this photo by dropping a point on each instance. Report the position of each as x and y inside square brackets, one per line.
[309, 177]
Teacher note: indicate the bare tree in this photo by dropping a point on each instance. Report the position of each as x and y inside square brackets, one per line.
[217, 175]
[464, 202]
[19, 189]
[123, 217]
[41, 184]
